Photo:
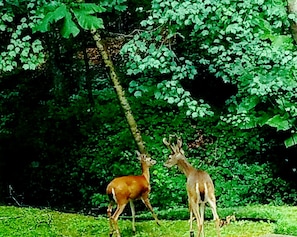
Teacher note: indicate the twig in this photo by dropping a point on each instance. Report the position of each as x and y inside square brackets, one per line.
[11, 195]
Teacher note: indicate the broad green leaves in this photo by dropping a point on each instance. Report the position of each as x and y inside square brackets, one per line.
[69, 27]
[81, 13]
[279, 122]
[22, 50]
[52, 16]
[245, 43]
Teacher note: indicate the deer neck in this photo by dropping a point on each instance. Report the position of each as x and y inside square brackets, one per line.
[145, 172]
[185, 166]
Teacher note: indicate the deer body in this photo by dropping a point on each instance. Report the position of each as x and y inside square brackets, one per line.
[200, 187]
[126, 189]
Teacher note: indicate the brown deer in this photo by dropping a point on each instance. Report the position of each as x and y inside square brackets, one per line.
[199, 186]
[126, 189]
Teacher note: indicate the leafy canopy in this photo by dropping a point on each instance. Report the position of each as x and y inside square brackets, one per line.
[244, 43]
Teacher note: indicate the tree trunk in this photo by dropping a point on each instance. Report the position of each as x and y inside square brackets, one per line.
[292, 8]
[120, 92]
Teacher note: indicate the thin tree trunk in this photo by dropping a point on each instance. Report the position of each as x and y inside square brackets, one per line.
[120, 92]
[292, 8]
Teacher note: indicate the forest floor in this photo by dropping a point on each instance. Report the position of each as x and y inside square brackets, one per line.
[251, 221]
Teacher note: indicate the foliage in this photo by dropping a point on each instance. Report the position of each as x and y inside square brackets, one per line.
[246, 43]
[82, 12]
[60, 149]
[19, 48]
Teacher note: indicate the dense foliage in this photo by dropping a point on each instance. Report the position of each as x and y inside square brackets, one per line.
[219, 74]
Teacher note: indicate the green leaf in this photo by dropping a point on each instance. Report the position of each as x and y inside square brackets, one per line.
[158, 95]
[69, 27]
[120, 8]
[90, 8]
[51, 17]
[170, 100]
[138, 94]
[26, 66]
[291, 141]
[280, 123]
[88, 22]
[248, 103]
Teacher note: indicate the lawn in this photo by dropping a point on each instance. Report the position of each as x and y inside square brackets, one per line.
[251, 221]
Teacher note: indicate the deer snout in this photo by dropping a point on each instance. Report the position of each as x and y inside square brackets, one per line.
[168, 164]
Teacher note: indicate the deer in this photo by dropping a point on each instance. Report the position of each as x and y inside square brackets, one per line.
[122, 190]
[199, 185]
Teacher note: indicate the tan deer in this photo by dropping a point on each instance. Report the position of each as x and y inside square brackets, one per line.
[126, 189]
[199, 186]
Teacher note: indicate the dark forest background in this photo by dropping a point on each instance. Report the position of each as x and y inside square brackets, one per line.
[226, 86]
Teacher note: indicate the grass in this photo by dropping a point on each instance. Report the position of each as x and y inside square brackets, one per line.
[252, 221]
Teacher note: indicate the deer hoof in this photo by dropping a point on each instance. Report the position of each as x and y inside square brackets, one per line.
[191, 233]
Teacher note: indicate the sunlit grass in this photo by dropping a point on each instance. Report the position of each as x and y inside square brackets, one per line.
[181, 229]
[31, 222]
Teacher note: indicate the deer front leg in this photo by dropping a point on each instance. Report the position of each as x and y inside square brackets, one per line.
[147, 203]
[133, 215]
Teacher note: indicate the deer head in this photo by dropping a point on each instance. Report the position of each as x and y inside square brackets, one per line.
[145, 159]
[177, 152]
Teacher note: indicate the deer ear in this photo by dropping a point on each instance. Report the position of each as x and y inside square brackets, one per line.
[138, 155]
[179, 143]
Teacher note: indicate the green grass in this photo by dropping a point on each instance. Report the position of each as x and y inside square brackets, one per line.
[251, 221]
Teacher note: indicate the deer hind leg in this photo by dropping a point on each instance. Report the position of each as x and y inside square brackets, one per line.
[115, 217]
[194, 208]
[191, 221]
[201, 228]
[213, 206]
[147, 203]
[109, 211]
[133, 215]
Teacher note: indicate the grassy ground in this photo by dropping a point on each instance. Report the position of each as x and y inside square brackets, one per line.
[251, 221]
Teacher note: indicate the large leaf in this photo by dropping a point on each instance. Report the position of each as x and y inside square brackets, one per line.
[291, 141]
[279, 122]
[54, 16]
[69, 27]
[90, 8]
[248, 103]
[87, 21]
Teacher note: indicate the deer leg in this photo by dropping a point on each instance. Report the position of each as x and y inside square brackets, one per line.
[194, 208]
[191, 220]
[198, 219]
[202, 208]
[133, 215]
[212, 203]
[191, 223]
[109, 210]
[115, 217]
[147, 203]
